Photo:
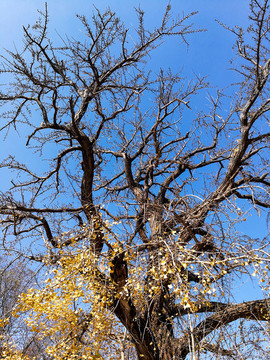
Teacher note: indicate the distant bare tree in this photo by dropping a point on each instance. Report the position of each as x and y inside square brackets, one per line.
[15, 278]
[127, 148]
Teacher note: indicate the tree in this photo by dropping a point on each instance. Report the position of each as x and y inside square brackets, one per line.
[139, 207]
[15, 278]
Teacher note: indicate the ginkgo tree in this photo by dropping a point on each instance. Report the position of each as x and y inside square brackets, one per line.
[134, 213]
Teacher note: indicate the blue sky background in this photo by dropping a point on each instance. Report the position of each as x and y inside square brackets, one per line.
[209, 52]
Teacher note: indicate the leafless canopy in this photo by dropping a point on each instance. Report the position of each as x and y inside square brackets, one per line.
[127, 147]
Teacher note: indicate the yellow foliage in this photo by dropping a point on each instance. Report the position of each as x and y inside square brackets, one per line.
[72, 311]
[9, 352]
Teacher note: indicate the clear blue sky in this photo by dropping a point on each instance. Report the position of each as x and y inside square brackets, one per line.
[209, 52]
[213, 47]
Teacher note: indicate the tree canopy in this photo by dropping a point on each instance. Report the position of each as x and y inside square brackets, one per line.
[133, 215]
